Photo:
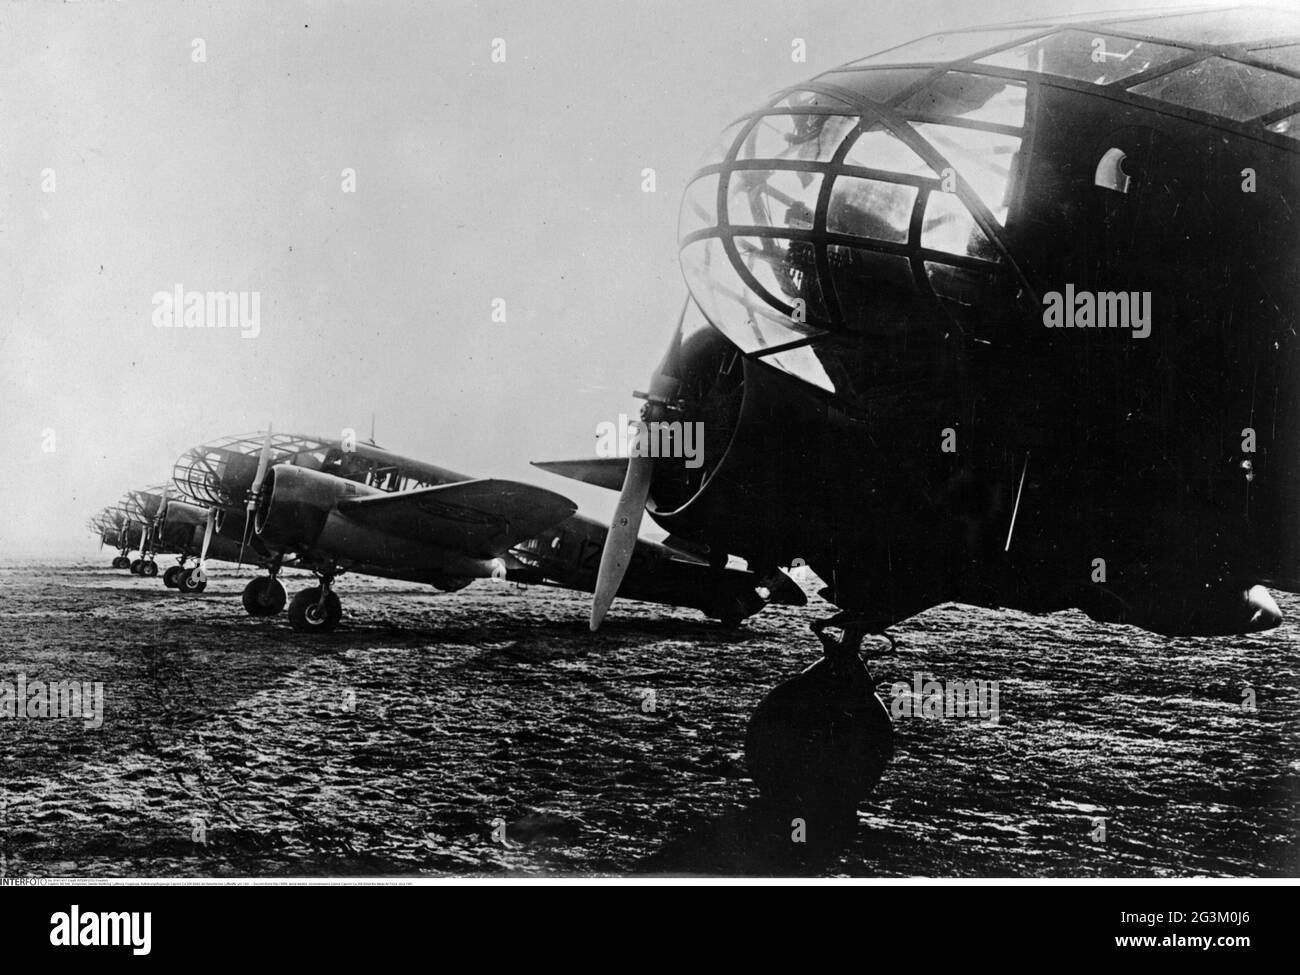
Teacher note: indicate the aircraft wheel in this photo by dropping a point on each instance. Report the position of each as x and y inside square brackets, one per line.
[191, 581]
[818, 743]
[149, 569]
[264, 596]
[135, 566]
[306, 616]
[121, 562]
[171, 578]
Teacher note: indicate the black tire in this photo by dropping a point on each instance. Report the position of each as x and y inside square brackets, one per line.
[188, 584]
[264, 596]
[149, 569]
[121, 562]
[171, 578]
[305, 617]
[819, 743]
[135, 566]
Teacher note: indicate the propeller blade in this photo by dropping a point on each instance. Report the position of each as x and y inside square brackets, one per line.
[263, 461]
[621, 540]
[200, 573]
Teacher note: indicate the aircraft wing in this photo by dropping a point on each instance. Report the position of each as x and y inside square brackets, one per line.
[481, 519]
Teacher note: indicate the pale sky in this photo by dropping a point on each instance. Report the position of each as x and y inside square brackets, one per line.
[519, 180]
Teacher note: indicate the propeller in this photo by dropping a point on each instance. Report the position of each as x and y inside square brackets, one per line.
[200, 572]
[255, 494]
[620, 542]
[159, 515]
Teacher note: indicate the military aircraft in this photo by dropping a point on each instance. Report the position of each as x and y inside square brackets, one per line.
[335, 506]
[1004, 317]
[114, 527]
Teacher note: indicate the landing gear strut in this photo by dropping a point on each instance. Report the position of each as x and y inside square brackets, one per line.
[265, 595]
[316, 610]
[818, 743]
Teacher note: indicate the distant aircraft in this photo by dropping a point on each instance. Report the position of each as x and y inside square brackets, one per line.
[335, 506]
[1005, 317]
[114, 528]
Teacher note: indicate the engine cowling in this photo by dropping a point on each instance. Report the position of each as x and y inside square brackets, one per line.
[295, 502]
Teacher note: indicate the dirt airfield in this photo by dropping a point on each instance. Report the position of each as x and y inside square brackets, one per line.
[431, 727]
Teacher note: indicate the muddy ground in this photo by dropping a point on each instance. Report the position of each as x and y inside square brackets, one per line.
[401, 744]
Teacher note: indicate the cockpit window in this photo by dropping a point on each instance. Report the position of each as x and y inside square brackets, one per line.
[874, 84]
[871, 208]
[815, 218]
[1287, 56]
[1222, 87]
[772, 198]
[1086, 56]
[949, 227]
[948, 47]
[977, 98]
[787, 271]
[721, 147]
[984, 159]
[1247, 25]
[811, 99]
[808, 137]
[730, 303]
[878, 148]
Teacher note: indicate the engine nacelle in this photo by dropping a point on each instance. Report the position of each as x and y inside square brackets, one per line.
[295, 502]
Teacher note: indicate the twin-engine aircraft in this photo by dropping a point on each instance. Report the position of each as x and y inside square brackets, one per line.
[335, 506]
[1005, 317]
[116, 529]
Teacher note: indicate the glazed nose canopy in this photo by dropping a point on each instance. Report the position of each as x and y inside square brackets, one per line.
[861, 178]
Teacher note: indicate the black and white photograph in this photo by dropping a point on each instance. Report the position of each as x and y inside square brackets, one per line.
[649, 441]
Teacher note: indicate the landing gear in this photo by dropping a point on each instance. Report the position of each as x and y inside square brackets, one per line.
[191, 581]
[316, 610]
[265, 596]
[149, 568]
[135, 566]
[121, 562]
[171, 578]
[818, 743]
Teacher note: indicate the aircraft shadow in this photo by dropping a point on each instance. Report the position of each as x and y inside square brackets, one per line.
[756, 840]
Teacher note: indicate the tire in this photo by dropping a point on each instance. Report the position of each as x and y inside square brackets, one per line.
[304, 616]
[264, 596]
[121, 562]
[820, 741]
[171, 578]
[149, 569]
[188, 584]
[135, 566]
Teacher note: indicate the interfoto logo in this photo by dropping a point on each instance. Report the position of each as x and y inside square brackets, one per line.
[54, 699]
[655, 438]
[1100, 309]
[179, 308]
[935, 699]
[74, 929]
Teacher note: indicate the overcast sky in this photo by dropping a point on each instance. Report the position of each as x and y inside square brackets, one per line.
[475, 181]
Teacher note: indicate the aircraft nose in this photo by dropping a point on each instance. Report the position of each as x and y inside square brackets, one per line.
[1263, 609]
